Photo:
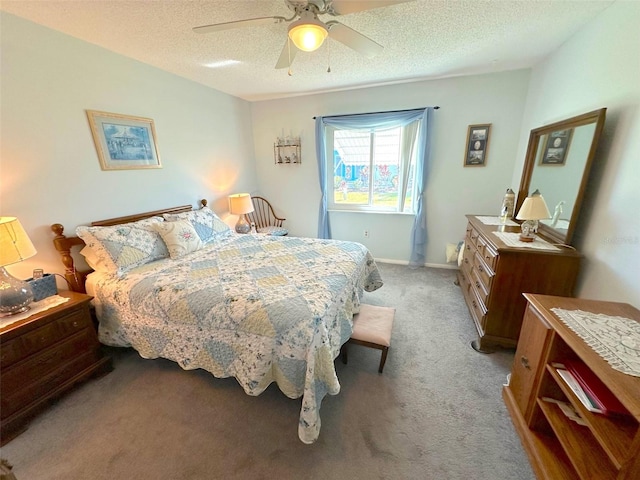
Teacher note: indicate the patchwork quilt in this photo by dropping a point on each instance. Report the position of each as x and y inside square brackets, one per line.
[259, 308]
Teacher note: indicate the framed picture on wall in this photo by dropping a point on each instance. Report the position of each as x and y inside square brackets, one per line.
[477, 145]
[124, 142]
[556, 147]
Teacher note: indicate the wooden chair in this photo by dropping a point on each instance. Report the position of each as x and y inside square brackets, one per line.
[265, 218]
[372, 328]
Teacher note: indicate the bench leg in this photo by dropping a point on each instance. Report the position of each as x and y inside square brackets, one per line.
[383, 359]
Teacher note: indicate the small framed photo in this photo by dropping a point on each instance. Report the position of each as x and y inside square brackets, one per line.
[124, 142]
[556, 147]
[477, 145]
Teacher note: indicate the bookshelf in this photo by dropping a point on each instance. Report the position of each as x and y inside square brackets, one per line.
[605, 446]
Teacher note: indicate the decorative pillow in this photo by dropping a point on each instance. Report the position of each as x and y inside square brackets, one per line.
[120, 248]
[180, 237]
[206, 223]
[274, 231]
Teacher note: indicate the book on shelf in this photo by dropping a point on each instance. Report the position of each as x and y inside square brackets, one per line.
[595, 389]
[575, 387]
[589, 389]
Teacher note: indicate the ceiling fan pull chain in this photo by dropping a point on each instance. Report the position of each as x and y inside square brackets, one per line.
[328, 58]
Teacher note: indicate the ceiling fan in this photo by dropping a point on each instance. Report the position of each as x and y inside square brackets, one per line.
[307, 32]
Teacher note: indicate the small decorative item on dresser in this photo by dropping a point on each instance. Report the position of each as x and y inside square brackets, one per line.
[533, 209]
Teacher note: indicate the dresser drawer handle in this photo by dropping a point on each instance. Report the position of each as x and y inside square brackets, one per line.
[75, 324]
[475, 305]
[477, 284]
[525, 362]
[480, 268]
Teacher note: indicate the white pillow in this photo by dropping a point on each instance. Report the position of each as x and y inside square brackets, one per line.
[206, 223]
[120, 248]
[180, 237]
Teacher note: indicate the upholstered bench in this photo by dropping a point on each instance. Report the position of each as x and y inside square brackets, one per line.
[372, 328]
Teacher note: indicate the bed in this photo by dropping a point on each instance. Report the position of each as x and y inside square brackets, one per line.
[179, 284]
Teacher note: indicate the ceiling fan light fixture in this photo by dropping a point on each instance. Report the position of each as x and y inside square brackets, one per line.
[308, 34]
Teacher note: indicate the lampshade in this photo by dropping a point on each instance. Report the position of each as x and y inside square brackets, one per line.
[15, 244]
[533, 208]
[240, 203]
[308, 33]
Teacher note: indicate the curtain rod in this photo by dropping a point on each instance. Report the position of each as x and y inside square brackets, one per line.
[371, 113]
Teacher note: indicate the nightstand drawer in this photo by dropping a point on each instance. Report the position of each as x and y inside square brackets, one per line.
[40, 338]
[44, 387]
[44, 362]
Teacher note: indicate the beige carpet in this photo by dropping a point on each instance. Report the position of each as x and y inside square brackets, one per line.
[435, 413]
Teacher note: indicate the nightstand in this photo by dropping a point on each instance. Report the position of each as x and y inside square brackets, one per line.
[44, 355]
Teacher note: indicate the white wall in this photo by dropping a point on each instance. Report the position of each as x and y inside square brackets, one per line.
[452, 190]
[600, 67]
[48, 163]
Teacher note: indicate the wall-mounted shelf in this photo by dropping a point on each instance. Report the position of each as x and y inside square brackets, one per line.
[286, 151]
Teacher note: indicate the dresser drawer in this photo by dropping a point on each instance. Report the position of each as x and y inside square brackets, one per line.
[478, 311]
[473, 235]
[484, 273]
[14, 350]
[467, 256]
[479, 287]
[489, 256]
[46, 361]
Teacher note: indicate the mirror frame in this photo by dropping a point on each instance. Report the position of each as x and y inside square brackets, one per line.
[597, 117]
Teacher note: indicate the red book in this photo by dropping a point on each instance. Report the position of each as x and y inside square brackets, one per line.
[595, 389]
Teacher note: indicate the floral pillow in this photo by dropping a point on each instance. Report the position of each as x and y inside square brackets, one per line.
[206, 223]
[180, 237]
[120, 248]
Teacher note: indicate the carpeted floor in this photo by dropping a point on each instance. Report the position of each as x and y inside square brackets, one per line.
[435, 413]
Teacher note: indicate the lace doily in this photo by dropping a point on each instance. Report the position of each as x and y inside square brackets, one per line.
[616, 339]
[512, 239]
[36, 307]
[496, 221]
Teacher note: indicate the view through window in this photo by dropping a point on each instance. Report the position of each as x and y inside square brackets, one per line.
[370, 171]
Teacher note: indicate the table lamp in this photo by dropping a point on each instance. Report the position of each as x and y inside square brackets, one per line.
[15, 246]
[533, 209]
[239, 204]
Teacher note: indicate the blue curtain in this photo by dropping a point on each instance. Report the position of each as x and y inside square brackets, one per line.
[381, 120]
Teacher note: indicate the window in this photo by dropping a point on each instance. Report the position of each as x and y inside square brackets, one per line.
[371, 170]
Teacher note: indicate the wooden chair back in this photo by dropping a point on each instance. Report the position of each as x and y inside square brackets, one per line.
[263, 214]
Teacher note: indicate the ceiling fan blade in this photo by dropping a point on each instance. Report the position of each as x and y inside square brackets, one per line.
[286, 57]
[352, 39]
[344, 7]
[251, 22]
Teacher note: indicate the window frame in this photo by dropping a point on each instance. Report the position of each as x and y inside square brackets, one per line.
[400, 207]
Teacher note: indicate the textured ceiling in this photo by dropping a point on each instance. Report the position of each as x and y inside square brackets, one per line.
[422, 39]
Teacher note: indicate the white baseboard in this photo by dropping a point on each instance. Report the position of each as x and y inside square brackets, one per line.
[405, 262]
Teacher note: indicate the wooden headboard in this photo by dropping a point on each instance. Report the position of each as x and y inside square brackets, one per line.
[64, 244]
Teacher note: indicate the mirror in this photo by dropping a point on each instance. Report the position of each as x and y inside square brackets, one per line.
[558, 160]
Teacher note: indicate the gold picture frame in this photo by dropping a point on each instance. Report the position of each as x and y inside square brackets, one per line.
[124, 142]
[477, 147]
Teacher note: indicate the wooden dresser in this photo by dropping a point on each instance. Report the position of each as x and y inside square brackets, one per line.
[605, 447]
[44, 355]
[493, 277]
